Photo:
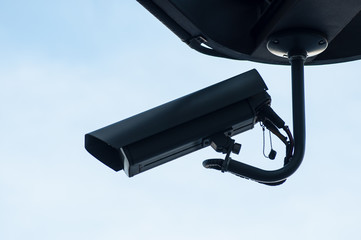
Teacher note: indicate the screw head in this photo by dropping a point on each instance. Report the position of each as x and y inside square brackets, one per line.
[206, 142]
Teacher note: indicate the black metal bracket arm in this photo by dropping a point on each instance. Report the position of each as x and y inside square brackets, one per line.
[297, 46]
[276, 177]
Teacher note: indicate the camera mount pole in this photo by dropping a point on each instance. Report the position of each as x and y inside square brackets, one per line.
[297, 46]
[298, 108]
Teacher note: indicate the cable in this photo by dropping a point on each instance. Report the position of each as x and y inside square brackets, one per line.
[270, 120]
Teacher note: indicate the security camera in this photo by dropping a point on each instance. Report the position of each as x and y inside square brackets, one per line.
[182, 126]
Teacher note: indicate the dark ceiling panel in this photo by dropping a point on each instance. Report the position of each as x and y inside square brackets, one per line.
[240, 29]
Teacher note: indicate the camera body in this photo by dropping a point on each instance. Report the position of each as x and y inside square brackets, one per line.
[181, 126]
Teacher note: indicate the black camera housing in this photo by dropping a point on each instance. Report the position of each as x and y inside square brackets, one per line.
[181, 126]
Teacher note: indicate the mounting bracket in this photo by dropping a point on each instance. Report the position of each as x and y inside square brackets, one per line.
[297, 46]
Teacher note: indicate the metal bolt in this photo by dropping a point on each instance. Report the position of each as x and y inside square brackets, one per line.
[206, 142]
[321, 42]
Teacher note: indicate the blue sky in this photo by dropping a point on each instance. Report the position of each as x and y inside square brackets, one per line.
[70, 67]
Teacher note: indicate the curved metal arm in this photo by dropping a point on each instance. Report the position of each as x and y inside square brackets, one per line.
[299, 133]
